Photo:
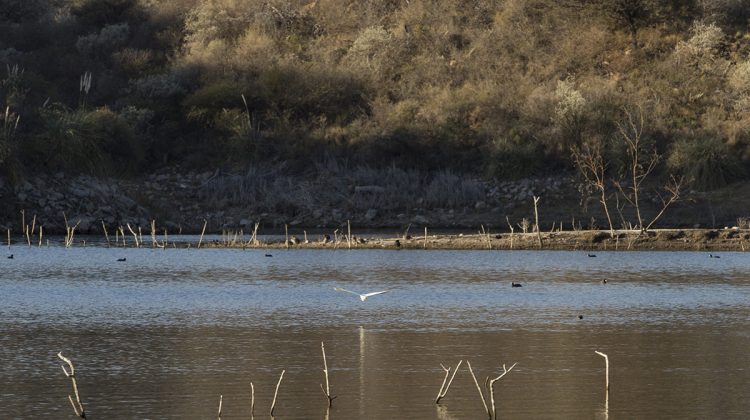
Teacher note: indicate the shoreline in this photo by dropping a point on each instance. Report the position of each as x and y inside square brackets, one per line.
[588, 240]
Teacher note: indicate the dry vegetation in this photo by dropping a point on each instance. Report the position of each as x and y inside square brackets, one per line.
[495, 88]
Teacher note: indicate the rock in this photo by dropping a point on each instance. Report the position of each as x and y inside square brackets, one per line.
[371, 215]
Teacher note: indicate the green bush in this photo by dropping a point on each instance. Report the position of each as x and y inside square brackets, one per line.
[79, 141]
[514, 158]
[707, 162]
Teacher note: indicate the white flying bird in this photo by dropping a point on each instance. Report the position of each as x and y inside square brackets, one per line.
[362, 296]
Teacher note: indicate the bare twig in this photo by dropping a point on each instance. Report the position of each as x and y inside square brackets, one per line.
[327, 390]
[221, 401]
[444, 388]
[252, 399]
[200, 240]
[673, 188]
[135, 236]
[536, 218]
[606, 364]
[106, 235]
[511, 232]
[273, 403]
[481, 394]
[492, 388]
[77, 405]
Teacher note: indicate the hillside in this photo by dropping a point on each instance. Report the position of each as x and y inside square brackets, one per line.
[483, 90]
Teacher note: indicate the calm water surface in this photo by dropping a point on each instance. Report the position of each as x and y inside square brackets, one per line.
[163, 334]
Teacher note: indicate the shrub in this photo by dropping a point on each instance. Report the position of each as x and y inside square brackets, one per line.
[707, 162]
[108, 39]
[514, 158]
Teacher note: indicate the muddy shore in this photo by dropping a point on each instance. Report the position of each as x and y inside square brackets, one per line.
[588, 240]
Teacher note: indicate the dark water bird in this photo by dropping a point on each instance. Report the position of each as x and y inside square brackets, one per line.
[713, 256]
[397, 243]
[514, 284]
[592, 255]
[10, 257]
[580, 316]
[604, 281]
[269, 255]
[122, 259]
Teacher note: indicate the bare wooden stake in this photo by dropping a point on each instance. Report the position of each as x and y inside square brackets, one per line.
[106, 235]
[606, 365]
[327, 390]
[200, 240]
[425, 238]
[23, 220]
[492, 388]
[71, 233]
[33, 225]
[254, 239]
[77, 405]
[252, 399]
[349, 234]
[135, 236]
[511, 231]
[221, 401]
[536, 218]
[153, 233]
[41, 233]
[8, 238]
[486, 235]
[28, 236]
[273, 403]
[286, 235]
[481, 394]
[443, 388]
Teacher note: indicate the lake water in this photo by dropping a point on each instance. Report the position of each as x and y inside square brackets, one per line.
[163, 334]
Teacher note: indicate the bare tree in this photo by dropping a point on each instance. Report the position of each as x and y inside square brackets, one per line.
[589, 159]
[673, 190]
[641, 162]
